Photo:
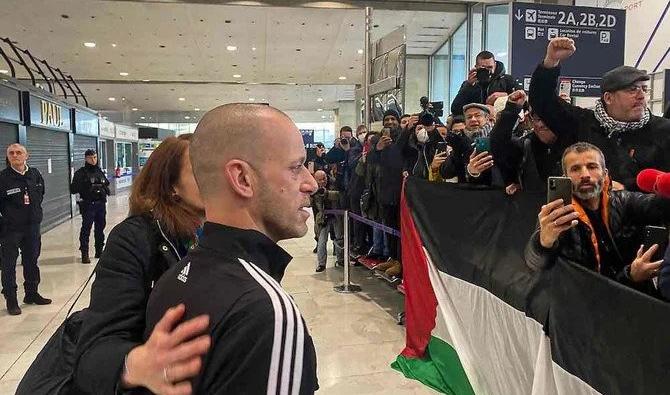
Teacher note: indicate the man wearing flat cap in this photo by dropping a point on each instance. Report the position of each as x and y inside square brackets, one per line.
[92, 187]
[621, 125]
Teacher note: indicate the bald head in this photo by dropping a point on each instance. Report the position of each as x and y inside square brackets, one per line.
[234, 131]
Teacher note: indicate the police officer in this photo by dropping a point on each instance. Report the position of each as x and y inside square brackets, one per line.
[21, 194]
[93, 187]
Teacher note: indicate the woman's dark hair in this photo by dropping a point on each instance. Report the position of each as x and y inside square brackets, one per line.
[153, 190]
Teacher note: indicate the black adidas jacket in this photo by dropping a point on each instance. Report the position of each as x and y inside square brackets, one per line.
[260, 344]
[13, 188]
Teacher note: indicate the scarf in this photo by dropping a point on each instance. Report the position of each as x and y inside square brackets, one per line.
[612, 125]
[483, 131]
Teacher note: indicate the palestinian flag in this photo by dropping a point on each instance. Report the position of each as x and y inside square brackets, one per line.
[479, 322]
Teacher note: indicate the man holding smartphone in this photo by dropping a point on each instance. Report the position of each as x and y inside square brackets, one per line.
[600, 228]
[486, 78]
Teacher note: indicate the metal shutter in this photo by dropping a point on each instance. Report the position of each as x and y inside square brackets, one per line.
[81, 144]
[43, 145]
[9, 134]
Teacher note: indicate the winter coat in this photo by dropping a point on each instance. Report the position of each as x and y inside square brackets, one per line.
[500, 82]
[626, 153]
[625, 214]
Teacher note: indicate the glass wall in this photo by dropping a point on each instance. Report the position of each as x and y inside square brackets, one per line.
[124, 157]
[102, 155]
[497, 28]
[477, 32]
[178, 128]
[324, 132]
[459, 68]
[440, 75]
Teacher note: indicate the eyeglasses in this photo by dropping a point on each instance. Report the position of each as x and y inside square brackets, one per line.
[634, 89]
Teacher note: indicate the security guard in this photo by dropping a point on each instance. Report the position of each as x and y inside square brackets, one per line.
[93, 187]
[21, 194]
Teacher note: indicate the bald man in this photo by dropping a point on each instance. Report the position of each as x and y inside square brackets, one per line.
[21, 194]
[248, 163]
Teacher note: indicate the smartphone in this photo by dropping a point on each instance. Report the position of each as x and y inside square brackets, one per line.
[483, 74]
[482, 144]
[386, 132]
[559, 188]
[656, 235]
[565, 87]
[441, 147]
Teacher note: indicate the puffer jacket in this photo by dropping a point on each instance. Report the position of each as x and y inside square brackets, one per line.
[500, 82]
[625, 213]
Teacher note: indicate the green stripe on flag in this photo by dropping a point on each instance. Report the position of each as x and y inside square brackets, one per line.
[440, 369]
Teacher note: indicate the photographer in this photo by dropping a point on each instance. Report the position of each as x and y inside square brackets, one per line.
[324, 199]
[470, 160]
[90, 183]
[486, 78]
[598, 228]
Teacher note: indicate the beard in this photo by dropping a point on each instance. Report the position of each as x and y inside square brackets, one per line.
[278, 222]
[594, 193]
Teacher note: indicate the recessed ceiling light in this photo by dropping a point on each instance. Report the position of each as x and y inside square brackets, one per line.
[253, 48]
[112, 99]
[319, 99]
[196, 109]
[343, 77]
[143, 117]
[323, 117]
[114, 45]
[319, 109]
[135, 109]
[251, 99]
[182, 99]
[123, 98]
[89, 45]
[4, 71]
[360, 52]
[123, 74]
[187, 117]
[146, 80]
[231, 48]
[237, 76]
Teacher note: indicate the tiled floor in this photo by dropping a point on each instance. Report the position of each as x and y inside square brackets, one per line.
[356, 335]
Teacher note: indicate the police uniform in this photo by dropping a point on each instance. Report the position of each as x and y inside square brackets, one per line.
[93, 187]
[21, 207]
[260, 344]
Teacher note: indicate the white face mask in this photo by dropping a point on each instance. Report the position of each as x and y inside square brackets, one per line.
[422, 135]
[361, 138]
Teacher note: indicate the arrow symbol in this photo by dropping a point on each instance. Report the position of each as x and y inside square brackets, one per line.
[519, 15]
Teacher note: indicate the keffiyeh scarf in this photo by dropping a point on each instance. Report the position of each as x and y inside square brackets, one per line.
[613, 126]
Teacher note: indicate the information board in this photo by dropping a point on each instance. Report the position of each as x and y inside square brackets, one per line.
[599, 35]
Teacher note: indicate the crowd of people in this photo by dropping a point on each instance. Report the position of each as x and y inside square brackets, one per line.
[207, 211]
[504, 138]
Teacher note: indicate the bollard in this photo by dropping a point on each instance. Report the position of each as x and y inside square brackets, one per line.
[347, 287]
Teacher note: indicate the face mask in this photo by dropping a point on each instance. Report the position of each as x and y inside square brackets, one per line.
[361, 138]
[422, 135]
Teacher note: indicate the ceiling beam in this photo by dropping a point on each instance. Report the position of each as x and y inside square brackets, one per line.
[397, 5]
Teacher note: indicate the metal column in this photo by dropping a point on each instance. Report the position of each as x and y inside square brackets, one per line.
[366, 67]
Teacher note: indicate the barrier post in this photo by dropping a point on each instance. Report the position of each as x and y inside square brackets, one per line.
[347, 287]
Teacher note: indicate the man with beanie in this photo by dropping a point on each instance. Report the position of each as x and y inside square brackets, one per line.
[90, 183]
[388, 156]
[21, 195]
[621, 125]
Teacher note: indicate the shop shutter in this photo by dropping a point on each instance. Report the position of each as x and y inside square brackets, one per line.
[44, 145]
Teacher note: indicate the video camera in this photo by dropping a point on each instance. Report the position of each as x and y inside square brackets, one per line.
[431, 111]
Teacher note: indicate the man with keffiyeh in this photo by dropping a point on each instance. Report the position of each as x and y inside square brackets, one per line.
[621, 125]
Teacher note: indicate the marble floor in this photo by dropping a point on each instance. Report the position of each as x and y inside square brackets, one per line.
[356, 335]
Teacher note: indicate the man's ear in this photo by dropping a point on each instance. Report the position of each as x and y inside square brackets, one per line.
[240, 177]
[608, 97]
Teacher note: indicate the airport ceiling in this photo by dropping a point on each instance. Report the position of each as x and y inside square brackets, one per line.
[173, 57]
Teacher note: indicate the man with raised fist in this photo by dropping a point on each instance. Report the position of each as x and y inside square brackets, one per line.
[621, 125]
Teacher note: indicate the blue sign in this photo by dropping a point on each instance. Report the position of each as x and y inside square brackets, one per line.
[85, 123]
[599, 35]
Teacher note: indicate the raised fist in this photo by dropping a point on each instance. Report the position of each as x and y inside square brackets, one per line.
[559, 49]
[518, 97]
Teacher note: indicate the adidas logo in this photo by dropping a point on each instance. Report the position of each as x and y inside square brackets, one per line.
[183, 276]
